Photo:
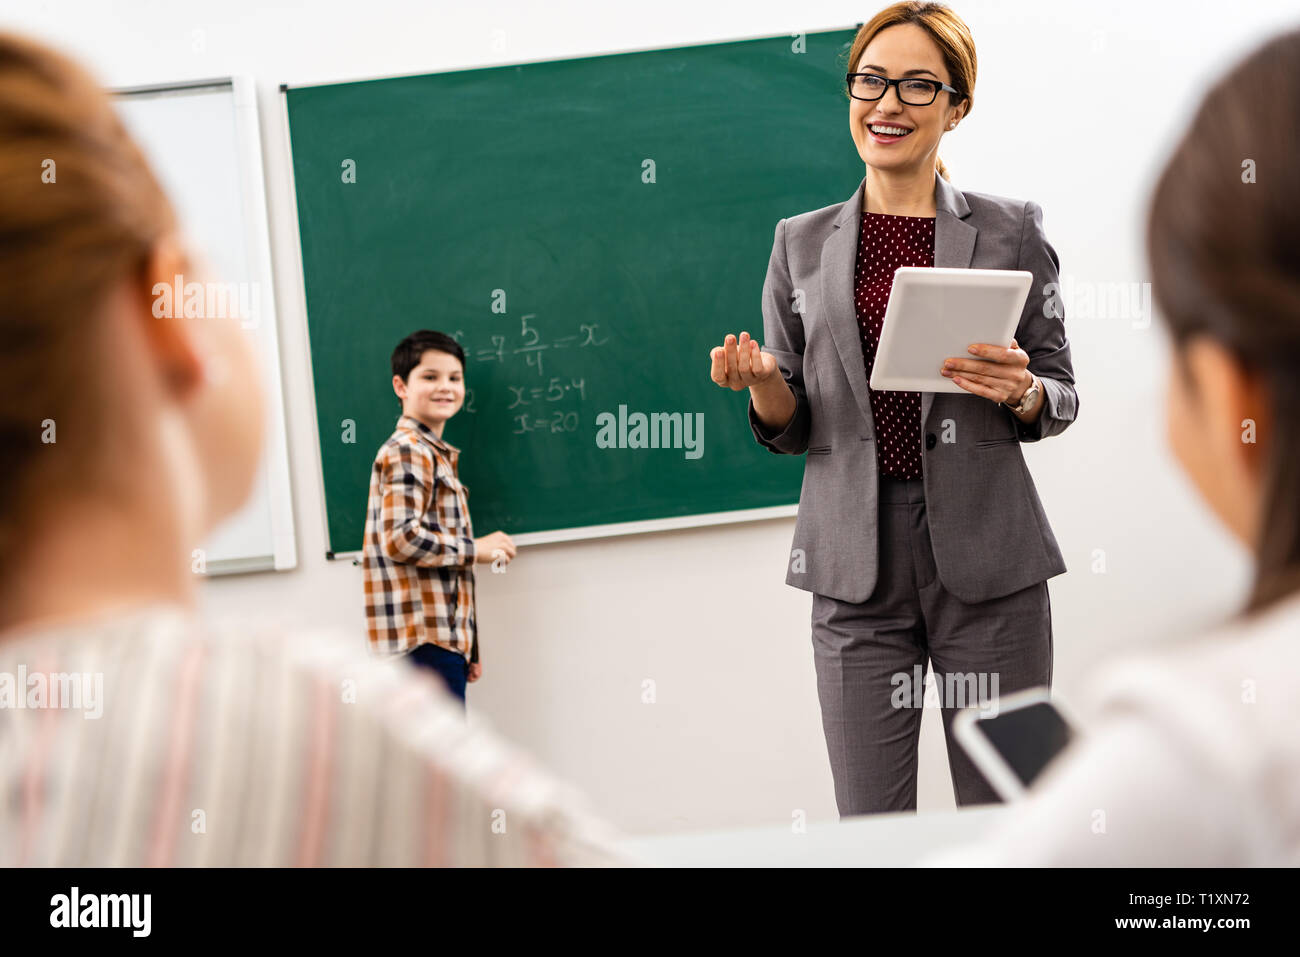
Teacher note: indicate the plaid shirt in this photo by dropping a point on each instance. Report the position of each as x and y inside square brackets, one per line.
[419, 547]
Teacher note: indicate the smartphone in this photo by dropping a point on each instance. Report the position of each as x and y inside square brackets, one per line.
[1012, 744]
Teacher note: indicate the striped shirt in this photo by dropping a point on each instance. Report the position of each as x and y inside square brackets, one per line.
[419, 551]
[244, 745]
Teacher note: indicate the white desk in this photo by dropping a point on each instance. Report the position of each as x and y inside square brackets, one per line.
[875, 840]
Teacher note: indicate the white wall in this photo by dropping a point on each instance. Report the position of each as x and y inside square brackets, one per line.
[571, 630]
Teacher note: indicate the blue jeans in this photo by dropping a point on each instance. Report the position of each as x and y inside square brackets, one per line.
[451, 665]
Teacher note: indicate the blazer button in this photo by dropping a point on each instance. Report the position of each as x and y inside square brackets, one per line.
[930, 440]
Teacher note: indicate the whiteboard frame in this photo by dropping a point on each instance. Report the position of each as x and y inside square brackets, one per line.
[257, 239]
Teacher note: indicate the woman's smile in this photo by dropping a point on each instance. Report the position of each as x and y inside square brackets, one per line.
[885, 133]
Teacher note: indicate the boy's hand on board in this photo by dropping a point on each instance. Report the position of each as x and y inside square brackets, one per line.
[487, 548]
[475, 671]
[740, 365]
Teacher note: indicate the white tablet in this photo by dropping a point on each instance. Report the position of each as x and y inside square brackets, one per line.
[936, 313]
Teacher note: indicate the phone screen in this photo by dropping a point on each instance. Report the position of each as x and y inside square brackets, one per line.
[1027, 738]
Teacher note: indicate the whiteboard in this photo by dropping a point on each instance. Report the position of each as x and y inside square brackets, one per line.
[203, 141]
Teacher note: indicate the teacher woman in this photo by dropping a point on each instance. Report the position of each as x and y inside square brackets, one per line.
[920, 533]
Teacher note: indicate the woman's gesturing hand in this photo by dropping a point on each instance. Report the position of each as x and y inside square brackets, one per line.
[741, 365]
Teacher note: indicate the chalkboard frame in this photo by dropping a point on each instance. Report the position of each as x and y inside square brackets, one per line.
[571, 533]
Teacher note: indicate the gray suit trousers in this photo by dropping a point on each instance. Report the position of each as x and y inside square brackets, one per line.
[869, 655]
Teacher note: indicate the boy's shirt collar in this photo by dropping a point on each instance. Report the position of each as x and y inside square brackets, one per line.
[418, 427]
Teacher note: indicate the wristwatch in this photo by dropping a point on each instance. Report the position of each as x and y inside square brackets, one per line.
[1028, 400]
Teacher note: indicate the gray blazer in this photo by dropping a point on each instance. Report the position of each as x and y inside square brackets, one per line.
[987, 526]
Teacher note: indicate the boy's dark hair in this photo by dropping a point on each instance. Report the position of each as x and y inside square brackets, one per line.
[407, 354]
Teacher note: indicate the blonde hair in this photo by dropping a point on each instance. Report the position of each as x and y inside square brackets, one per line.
[79, 211]
[947, 30]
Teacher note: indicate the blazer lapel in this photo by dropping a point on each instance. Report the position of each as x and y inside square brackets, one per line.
[839, 255]
[954, 245]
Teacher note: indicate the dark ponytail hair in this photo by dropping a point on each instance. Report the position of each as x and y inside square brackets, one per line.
[1223, 241]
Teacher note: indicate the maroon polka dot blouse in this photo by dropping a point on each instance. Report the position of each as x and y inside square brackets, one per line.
[884, 244]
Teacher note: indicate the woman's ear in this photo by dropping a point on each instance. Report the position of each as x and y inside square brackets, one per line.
[170, 343]
[1226, 431]
[1236, 402]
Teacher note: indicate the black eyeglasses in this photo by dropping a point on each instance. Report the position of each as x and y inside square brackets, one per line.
[912, 90]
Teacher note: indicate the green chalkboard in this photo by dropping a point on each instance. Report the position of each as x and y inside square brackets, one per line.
[587, 229]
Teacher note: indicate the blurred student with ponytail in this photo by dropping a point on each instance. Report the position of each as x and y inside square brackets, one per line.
[1194, 759]
[139, 735]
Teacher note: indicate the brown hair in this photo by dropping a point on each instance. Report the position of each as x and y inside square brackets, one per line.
[79, 210]
[947, 30]
[1224, 249]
